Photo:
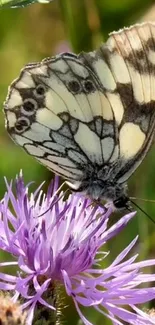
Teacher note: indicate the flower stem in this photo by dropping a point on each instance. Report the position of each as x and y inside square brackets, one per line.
[44, 315]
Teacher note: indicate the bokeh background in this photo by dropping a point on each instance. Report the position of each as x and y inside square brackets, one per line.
[40, 30]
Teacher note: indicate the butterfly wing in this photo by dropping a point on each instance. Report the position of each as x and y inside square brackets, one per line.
[125, 66]
[77, 114]
[56, 110]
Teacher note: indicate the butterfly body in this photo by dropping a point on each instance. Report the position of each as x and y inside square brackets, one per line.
[90, 117]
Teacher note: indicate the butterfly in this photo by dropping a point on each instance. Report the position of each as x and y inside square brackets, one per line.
[90, 117]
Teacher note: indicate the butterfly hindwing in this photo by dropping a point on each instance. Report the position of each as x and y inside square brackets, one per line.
[59, 117]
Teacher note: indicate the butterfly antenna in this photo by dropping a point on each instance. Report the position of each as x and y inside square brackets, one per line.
[137, 206]
[144, 200]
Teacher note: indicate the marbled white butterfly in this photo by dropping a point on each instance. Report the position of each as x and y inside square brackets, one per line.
[89, 117]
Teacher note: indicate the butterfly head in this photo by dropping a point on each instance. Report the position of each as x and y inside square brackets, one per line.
[123, 202]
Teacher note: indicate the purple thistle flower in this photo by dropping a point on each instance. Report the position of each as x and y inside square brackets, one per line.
[56, 240]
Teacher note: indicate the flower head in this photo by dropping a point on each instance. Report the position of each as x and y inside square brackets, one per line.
[10, 312]
[56, 240]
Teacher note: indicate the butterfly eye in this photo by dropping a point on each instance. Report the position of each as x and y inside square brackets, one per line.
[74, 86]
[122, 202]
[88, 86]
[22, 124]
[29, 106]
[40, 91]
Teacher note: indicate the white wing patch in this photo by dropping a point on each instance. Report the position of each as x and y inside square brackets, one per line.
[12, 119]
[107, 148]
[131, 140]
[35, 134]
[14, 98]
[117, 106]
[78, 70]
[55, 103]
[40, 70]
[106, 112]
[34, 151]
[115, 154]
[26, 81]
[119, 68]
[62, 66]
[89, 142]
[56, 148]
[48, 119]
[105, 75]
[21, 140]
[86, 114]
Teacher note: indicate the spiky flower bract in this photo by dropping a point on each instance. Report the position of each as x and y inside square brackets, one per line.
[55, 240]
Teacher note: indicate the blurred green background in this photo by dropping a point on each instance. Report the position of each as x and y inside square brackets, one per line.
[37, 31]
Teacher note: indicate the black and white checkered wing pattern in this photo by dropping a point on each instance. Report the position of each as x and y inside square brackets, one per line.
[90, 115]
[55, 111]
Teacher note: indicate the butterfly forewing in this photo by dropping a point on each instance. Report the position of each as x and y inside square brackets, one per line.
[89, 118]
